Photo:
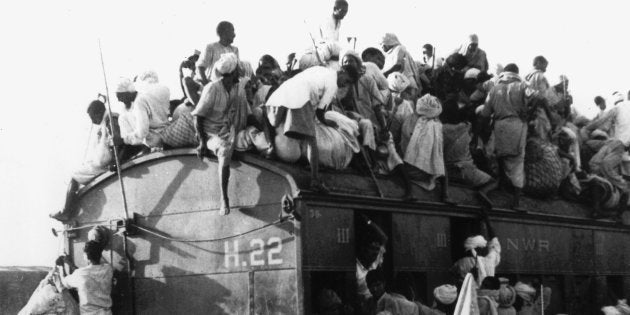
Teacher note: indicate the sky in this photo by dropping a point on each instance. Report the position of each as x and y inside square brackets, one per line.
[51, 69]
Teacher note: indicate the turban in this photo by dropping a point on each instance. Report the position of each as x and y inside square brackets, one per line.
[125, 85]
[398, 82]
[148, 76]
[429, 106]
[475, 242]
[563, 78]
[246, 69]
[499, 69]
[445, 294]
[390, 39]
[226, 64]
[197, 52]
[610, 310]
[472, 73]
[525, 291]
[622, 307]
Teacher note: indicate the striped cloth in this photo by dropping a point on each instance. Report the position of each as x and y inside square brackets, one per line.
[181, 132]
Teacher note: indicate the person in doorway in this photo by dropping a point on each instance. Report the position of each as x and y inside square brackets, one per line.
[394, 303]
[212, 53]
[93, 282]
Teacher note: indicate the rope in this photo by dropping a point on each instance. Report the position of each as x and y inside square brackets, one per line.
[181, 240]
[111, 126]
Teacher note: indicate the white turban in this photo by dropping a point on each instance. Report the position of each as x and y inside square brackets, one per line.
[398, 82]
[525, 291]
[472, 73]
[125, 85]
[429, 106]
[226, 64]
[475, 242]
[148, 76]
[390, 39]
[446, 294]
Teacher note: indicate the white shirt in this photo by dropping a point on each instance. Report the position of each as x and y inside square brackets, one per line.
[317, 85]
[94, 285]
[329, 29]
[488, 264]
[150, 111]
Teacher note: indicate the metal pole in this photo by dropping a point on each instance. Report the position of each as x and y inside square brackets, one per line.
[111, 126]
[542, 300]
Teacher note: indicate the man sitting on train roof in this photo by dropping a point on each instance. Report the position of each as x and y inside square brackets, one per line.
[212, 53]
[392, 303]
[98, 155]
[221, 118]
[146, 123]
[445, 298]
[482, 257]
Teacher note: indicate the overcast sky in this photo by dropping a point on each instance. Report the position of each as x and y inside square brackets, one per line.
[51, 68]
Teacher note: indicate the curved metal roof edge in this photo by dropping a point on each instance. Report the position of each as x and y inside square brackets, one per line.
[155, 156]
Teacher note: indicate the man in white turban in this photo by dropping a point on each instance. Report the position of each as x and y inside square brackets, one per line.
[444, 301]
[219, 116]
[481, 256]
[398, 59]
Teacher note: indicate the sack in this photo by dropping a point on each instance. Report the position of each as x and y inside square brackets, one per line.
[334, 151]
[47, 300]
[543, 168]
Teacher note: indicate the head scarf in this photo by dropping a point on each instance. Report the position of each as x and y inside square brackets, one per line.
[149, 77]
[472, 39]
[197, 52]
[226, 64]
[445, 294]
[472, 73]
[125, 85]
[525, 291]
[428, 106]
[390, 39]
[398, 82]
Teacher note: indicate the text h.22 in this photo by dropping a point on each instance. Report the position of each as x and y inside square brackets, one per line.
[257, 255]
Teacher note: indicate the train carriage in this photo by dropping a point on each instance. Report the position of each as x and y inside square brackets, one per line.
[174, 255]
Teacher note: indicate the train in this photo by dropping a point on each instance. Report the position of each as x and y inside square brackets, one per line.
[282, 243]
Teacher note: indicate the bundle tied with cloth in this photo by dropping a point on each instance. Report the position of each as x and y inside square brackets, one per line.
[445, 294]
[423, 149]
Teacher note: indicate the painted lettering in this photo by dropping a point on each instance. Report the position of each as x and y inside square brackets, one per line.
[253, 257]
[529, 244]
[543, 244]
[274, 251]
[231, 254]
[511, 244]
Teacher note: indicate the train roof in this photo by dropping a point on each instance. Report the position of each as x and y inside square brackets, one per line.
[352, 188]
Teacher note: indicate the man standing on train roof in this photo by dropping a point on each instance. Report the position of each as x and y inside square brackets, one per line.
[219, 116]
[507, 104]
[329, 30]
[212, 53]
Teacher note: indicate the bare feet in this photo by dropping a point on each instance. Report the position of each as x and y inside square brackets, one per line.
[225, 208]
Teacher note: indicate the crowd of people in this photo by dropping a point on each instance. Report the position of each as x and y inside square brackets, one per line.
[427, 122]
